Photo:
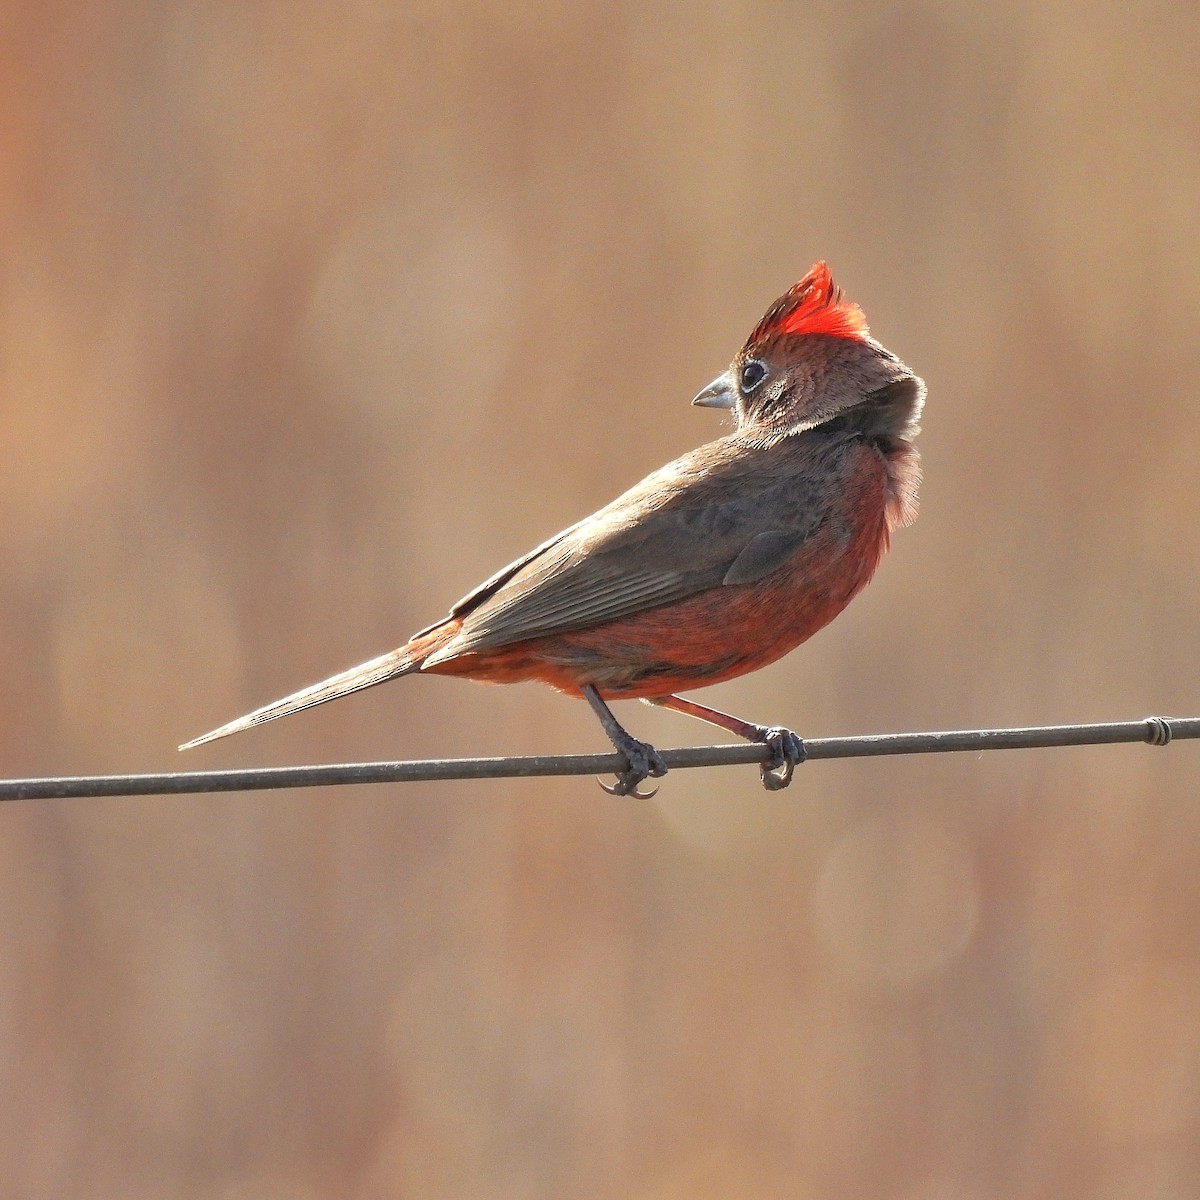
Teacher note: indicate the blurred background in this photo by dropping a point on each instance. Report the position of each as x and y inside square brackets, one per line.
[313, 315]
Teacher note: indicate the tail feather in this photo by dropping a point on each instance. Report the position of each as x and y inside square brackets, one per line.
[365, 675]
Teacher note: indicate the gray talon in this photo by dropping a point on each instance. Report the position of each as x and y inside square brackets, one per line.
[622, 788]
[787, 753]
[644, 761]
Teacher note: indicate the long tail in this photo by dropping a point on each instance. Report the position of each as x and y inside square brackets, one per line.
[365, 675]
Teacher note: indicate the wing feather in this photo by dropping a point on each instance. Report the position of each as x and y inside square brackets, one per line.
[679, 532]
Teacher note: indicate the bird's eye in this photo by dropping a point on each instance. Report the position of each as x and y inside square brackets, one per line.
[753, 373]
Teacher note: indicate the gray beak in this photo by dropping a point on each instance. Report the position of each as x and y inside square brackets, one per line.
[721, 393]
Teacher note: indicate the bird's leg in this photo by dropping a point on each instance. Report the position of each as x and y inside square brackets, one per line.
[787, 749]
[642, 758]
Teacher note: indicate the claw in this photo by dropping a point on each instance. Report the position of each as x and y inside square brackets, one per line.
[643, 761]
[787, 749]
[787, 753]
[621, 789]
[641, 758]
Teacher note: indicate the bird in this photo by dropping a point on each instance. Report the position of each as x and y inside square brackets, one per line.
[712, 566]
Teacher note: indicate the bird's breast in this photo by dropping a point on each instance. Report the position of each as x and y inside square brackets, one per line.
[724, 632]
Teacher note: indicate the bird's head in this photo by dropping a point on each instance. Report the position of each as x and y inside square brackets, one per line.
[810, 359]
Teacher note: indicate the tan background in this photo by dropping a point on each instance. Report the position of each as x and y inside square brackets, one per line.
[313, 314]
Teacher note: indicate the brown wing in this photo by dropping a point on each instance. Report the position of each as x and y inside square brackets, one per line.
[729, 512]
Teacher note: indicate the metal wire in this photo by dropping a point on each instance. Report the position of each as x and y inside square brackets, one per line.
[1156, 731]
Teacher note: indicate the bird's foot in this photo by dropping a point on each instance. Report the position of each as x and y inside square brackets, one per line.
[643, 761]
[787, 753]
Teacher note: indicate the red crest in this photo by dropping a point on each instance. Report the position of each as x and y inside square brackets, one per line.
[814, 305]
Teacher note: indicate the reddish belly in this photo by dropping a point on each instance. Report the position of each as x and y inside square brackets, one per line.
[712, 636]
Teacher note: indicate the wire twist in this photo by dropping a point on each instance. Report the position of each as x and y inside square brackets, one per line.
[1158, 731]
